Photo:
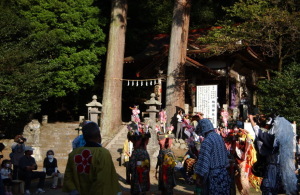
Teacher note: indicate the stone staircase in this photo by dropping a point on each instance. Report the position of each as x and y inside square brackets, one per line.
[115, 146]
[57, 137]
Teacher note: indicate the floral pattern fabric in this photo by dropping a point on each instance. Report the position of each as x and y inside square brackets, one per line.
[166, 181]
[83, 161]
[139, 167]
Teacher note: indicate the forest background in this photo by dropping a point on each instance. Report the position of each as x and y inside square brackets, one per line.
[53, 53]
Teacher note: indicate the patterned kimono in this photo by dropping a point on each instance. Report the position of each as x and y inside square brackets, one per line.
[139, 167]
[212, 164]
[166, 181]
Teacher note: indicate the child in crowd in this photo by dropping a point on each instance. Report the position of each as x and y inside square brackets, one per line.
[6, 175]
[127, 151]
[50, 168]
[165, 165]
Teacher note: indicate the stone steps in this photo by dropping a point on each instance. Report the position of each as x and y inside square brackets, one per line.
[57, 137]
[115, 146]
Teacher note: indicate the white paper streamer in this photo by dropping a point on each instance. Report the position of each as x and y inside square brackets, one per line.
[132, 83]
[128, 83]
[141, 83]
[151, 82]
[137, 83]
[146, 83]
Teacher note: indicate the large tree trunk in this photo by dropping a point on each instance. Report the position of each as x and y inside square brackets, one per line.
[111, 117]
[175, 91]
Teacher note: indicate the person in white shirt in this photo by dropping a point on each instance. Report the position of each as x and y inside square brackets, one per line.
[179, 125]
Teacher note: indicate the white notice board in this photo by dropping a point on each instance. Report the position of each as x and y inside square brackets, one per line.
[207, 96]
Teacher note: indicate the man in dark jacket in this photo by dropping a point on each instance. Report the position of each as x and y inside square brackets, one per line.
[26, 165]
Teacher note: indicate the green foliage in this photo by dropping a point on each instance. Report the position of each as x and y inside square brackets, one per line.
[281, 95]
[74, 40]
[206, 13]
[47, 48]
[151, 17]
[23, 81]
[273, 26]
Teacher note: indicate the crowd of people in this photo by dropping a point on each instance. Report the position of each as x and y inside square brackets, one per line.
[22, 166]
[218, 160]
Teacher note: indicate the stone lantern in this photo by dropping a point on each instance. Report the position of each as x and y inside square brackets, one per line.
[93, 112]
[152, 103]
[152, 110]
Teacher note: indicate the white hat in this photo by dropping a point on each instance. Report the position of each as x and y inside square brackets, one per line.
[27, 148]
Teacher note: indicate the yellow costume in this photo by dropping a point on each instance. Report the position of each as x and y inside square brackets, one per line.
[90, 170]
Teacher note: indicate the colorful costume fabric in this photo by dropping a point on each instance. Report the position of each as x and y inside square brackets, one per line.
[166, 163]
[90, 170]
[213, 161]
[277, 146]
[139, 167]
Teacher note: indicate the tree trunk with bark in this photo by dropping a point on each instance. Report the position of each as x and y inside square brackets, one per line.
[175, 92]
[111, 117]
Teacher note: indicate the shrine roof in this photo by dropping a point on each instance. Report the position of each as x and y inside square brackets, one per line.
[155, 56]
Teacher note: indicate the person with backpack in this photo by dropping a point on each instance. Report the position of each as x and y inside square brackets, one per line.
[165, 165]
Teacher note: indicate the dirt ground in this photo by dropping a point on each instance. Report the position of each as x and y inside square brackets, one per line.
[180, 189]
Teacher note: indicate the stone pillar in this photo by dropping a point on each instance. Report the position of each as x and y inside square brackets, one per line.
[93, 112]
[44, 119]
[186, 108]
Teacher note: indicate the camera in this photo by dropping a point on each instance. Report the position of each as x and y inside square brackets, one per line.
[21, 140]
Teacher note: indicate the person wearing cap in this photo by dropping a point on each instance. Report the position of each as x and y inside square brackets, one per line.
[90, 169]
[212, 176]
[27, 165]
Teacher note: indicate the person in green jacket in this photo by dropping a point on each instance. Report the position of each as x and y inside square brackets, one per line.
[90, 169]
